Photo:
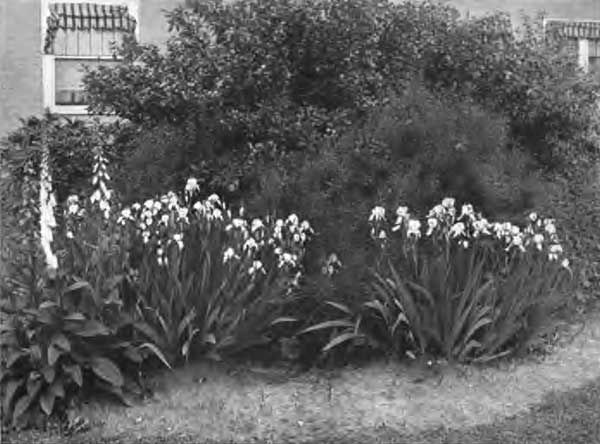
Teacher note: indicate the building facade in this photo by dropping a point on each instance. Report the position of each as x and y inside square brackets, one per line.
[44, 42]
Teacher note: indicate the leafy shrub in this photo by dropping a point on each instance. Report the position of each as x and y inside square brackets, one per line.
[417, 148]
[258, 71]
[530, 77]
[53, 354]
[71, 145]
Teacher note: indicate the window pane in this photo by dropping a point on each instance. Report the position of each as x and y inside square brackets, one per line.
[594, 48]
[595, 66]
[68, 75]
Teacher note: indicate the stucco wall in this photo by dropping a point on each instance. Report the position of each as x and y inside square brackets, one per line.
[20, 61]
[153, 25]
[21, 93]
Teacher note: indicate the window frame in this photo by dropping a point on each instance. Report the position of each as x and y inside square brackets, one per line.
[49, 60]
[583, 44]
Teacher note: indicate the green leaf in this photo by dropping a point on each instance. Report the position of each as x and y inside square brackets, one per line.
[11, 388]
[14, 357]
[210, 339]
[328, 324]
[378, 306]
[282, 320]
[47, 305]
[75, 372]
[58, 388]
[49, 373]
[150, 333]
[78, 286]
[53, 355]
[33, 385]
[47, 401]
[107, 370]
[75, 317]
[185, 349]
[185, 322]
[113, 389]
[92, 328]
[339, 306]
[341, 339]
[20, 408]
[60, 340]
[133, 355]
[154, 349]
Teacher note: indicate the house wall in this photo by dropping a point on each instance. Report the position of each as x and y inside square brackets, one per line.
[21, 61]
[21, 93]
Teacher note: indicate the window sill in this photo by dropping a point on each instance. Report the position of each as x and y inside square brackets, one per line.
[79, 110]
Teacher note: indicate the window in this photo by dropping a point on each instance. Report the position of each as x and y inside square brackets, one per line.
[77, 35]
[594, 57]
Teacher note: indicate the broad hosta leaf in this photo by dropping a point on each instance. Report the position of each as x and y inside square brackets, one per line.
[58, 388]
[11, 388]
[75, 317]
[78, 286]
[53, 354]
[14, 357]
[20, 408]
[46, 305]
[47, 401]
[49, 373]
[35, 352]
[107, 370]
[133, 354]
[33, 386]
[75, 372]
[59, 340]
[92, 328]
[115, 390]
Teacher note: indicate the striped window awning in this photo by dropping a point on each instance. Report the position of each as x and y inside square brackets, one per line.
[573, 29]
[87, 16]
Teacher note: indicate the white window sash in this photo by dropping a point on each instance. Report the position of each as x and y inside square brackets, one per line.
[584, 54]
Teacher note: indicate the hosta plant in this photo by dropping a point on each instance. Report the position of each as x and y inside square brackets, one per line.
[51, 355]
[465, 288]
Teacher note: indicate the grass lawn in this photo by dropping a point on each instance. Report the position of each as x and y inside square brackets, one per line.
[555, 399]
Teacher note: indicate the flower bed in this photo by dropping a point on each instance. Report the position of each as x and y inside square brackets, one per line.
[178, 278]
